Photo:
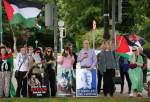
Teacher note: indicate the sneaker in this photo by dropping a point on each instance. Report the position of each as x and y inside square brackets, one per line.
[131, 95]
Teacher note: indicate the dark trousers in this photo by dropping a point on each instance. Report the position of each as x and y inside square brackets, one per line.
[144, 75]
[123, 75]
[99, 76]
[21, 85]
[108, 86]
[52, 80]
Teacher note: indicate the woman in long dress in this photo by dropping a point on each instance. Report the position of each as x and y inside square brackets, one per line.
[135, 72]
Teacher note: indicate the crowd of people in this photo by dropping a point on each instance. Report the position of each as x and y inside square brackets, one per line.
[106, 63]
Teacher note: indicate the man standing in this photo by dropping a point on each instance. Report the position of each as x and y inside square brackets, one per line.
[87, 56]
[88, 60]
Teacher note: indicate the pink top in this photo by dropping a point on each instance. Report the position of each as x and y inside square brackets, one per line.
[67, 62]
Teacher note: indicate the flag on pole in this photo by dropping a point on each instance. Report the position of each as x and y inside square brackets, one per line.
[122, 45]
[1, 29]
[123, 49]
[22, 11]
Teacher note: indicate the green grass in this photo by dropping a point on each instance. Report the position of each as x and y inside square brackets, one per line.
[75, 100]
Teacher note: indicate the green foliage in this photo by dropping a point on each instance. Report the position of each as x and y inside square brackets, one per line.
[78, 16]
[98, 37]
[147, 46]
[141, 15]
[89, 35]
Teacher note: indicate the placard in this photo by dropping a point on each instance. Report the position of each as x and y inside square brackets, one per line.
[38, 84]
[64, 81]
[86, 83]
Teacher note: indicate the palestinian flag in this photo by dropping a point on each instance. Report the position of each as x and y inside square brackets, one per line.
[122, 45]
[12, 83]
[123, 49]
[22, 11]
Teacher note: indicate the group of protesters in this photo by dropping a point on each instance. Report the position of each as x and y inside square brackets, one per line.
[25, 59]
[107, 63]
[133, 68]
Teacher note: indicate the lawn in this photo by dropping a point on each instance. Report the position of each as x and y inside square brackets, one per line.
[75, 100]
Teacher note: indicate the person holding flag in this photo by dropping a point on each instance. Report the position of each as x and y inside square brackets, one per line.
[108, 67]
[22, 66]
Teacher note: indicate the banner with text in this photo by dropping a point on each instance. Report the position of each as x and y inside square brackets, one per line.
[38, 84]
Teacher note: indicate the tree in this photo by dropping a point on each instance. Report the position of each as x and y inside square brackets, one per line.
[78, 16]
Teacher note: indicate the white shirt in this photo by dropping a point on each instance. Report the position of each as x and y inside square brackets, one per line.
[19, 60]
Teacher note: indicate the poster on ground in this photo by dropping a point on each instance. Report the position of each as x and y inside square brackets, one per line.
[38, 84]
[86, 85]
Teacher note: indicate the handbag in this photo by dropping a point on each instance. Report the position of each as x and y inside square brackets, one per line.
[132, 66]
[17, 74]
[117, 79]
[17, 71]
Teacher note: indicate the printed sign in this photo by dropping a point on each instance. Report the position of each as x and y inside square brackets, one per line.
[64, 81]
[86, 83]
[38, 84]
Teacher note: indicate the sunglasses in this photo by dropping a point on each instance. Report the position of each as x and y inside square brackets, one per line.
[133, 50]
[49, 51]
[38, 52]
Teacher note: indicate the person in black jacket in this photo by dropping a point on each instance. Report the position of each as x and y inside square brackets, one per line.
[51, 70]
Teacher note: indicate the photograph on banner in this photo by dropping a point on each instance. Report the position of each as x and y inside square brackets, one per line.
[63, 82]
[38, 84]
[86, 83]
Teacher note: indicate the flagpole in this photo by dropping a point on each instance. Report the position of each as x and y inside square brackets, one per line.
[1, 29]
[12, 31]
